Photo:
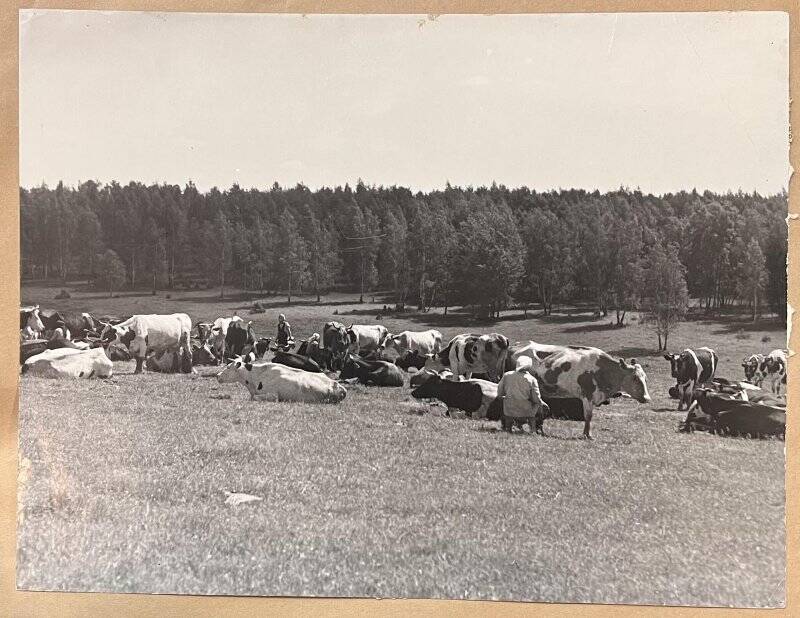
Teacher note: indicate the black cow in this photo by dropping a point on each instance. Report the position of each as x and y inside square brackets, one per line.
[334, 344]
[726, 414]
[379, 373]
[290, 359]
[691, 368]
[310, 348]
[411, 359]
[238, 337]
[256, 351]
[473, 396]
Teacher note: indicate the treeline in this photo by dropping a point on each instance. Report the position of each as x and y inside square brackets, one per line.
[485, 247]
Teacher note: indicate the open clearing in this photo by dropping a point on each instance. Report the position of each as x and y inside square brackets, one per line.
[383, 496]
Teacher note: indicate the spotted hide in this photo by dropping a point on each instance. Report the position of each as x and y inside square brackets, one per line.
[469, 353]
[266, 381]
[691, 368]
[592, 376]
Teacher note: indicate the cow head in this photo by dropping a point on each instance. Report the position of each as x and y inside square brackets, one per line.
[236, 371]
[752, 367]
[674, 361]
[34, 321]
[117, 334]
[390, 342]
[634, 381]
[428, 389]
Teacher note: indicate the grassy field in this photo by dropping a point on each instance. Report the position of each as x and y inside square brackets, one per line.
[124, 480]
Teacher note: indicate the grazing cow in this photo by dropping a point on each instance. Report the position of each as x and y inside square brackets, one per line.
[238, 336]
[691, 368]
[379, 373]
[773, 368]
[411, 359]
[752, 369]
[590, 375]
[169, 361]
[144, 334]
[725, 414]
[334, 344]
[276, 381]
[290, 359]
[30, 323]
[363, 339]
[423, 376]
[419, 342]
[472, 396]
[69, 363]
[468, 354]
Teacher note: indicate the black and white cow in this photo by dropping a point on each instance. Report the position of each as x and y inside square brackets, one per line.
[379, 373]
[773, 368]
[752, 369]
[469, 354]
[334, 344]
[691, 368]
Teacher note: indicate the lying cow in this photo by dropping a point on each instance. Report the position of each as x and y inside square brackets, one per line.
[423, 376]
[364, 339]
[472, 396]
[590, 375]
[146, 334]
[275, 381]
[691, 368]
[291, 359]
[30, 324]
[773, 368]
[202, 354]
[169, 361]
[69, 363]
[411, 359]
[409, 341]
[469, 354]
[379, 373]
[726, 415]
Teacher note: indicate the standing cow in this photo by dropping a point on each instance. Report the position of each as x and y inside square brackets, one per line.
[691, 368]
[467, 354]
[334, 345]
[239, 338]
[420, 342]
[773, 368]
[363, 339]
[145, 334]
[752, 369]
[591, 375]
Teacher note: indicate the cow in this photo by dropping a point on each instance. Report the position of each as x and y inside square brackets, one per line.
[79, 325]
[276, 381]
[238, 335]
[363, 339]
[724, 414]
[54, 325]
[379, 373]
[256, 351]
[69, 363]
[334, 344]
[411, 359]
[469, 353]
[204, 331]
[419, 342]
[169, 361]
[311, 348]
[591, 375]
[218, 334]
[423, 376]
[144, 334]
[202, 354]
[773, 368]
[752, 369]
[472, 396]
[291, 359]
[691, 368]
[30, 323]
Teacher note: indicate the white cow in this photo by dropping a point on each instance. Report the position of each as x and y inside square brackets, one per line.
[363, 338]
[219, 330]
[423, 342]
[69, 363]
[31, 325]
[282, 383]
[144, 334]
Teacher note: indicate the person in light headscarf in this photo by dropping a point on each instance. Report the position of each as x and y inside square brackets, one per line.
[522, 401]
[284, 337]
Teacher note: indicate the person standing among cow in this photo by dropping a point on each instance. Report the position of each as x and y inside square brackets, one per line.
[522, 401]
[284, 340]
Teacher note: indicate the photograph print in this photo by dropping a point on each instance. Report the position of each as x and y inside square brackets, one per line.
[450, 307]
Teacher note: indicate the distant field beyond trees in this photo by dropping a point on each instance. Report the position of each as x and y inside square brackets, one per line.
[486, 247]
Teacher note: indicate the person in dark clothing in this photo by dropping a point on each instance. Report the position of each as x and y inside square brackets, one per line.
[284, 337]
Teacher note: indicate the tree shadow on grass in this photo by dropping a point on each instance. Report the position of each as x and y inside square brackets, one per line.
[636, 353]
[591, 328]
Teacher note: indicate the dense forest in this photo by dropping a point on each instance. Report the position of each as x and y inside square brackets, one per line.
[485, 247]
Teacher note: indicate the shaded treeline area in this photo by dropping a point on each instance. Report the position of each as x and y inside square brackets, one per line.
[484, 247]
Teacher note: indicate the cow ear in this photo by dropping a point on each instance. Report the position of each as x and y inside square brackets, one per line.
[633, 361]
[622, 363]
[667, 357]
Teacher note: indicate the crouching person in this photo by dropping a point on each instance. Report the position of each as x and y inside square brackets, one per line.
[522, 401]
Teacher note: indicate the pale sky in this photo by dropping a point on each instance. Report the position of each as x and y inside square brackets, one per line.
[661, 101]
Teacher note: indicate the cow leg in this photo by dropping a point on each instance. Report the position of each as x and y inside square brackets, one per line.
[139, 363]
[588, 409]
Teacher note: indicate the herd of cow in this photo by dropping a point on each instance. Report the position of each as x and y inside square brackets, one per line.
[463, 373]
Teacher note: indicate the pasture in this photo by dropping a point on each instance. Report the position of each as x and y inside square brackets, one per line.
[123, 480]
